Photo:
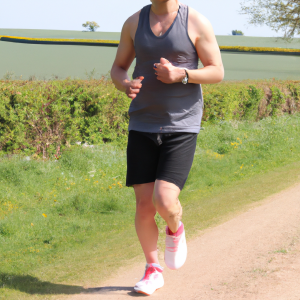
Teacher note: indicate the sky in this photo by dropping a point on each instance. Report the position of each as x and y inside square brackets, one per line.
[110, 15]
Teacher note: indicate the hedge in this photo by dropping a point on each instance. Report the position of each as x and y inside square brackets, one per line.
[43, 117]
[114, 43]
[61, 40]
[74, 42]
[267, 50]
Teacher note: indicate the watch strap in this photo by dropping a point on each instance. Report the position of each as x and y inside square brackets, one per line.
[186, 78]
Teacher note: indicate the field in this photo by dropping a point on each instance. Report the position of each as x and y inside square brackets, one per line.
[222, 40]
[48, 61]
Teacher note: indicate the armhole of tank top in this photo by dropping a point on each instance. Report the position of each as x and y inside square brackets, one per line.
[138, 25]
[187, 29]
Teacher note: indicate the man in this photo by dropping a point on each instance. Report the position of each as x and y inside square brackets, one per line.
[167, 38]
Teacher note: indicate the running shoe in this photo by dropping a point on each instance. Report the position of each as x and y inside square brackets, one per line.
[176, 249]
[151, 281]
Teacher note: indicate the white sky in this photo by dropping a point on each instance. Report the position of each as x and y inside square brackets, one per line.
[110, 15]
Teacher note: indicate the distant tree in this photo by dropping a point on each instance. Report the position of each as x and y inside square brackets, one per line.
[91, 26]
[277, 14]
[237, 32]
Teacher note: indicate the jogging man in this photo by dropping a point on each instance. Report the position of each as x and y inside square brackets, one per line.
[167, 38]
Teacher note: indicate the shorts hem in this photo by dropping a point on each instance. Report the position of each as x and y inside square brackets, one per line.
[180, 186]
[144, 182]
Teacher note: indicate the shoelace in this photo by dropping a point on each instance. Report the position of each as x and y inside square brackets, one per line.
[172, 243]
[150, 270]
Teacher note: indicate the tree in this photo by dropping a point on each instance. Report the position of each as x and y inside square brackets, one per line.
[277, 14]
[91, 26]
[237, 32]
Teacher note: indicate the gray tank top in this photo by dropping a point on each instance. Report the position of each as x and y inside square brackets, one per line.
[161, 107]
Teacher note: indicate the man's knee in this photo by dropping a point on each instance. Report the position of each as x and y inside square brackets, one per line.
[145, 209]
[161, 200]
[167, 204]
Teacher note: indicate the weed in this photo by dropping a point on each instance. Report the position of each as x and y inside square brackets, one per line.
[32, 78]
[284, 251]
[91, 75]
[8, 75]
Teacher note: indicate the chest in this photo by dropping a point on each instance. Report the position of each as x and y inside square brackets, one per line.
[161, 24]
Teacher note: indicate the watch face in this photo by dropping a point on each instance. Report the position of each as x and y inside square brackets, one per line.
[185, 80]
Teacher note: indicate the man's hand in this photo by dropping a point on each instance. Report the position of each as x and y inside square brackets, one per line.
[167, 73]
[133, 87]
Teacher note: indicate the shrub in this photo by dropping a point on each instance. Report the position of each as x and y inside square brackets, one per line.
[42, 118]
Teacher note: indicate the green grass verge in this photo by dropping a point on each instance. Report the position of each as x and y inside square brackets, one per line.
[88, 231]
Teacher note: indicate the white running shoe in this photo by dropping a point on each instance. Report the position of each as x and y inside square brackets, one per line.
[176, 249]
[151, 281]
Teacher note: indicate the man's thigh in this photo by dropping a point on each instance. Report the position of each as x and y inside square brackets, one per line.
[144, 192]
[142, 158]
[176, 158]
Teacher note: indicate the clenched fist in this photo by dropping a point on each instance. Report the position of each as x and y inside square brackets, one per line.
[133, 87]
[167, 73]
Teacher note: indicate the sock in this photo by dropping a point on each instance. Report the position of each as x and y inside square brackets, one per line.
[157, 266]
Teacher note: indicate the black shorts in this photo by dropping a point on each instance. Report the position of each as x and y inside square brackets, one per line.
[164, 156]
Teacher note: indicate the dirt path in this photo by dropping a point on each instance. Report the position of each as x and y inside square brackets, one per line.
[253, 256]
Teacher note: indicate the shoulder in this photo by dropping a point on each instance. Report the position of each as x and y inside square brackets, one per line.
[132, 20]
[198, 22]
[131, 24]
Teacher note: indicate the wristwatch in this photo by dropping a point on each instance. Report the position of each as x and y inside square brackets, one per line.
[185, 80]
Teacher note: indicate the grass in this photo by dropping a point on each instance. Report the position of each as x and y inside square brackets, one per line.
[69, 223]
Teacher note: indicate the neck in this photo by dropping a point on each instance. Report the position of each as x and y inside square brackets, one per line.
[160, 7]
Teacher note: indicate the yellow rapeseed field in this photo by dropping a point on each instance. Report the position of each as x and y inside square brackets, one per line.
[62, 40]
[228, 48]
[258, 49]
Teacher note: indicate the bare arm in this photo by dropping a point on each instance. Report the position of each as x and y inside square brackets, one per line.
[124, 58]
[203, 37]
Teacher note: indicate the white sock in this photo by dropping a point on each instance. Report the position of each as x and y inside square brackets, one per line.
[157, 266]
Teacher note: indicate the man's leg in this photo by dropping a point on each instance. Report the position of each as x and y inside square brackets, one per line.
[145, 224]
[168, 206]
[165, 198]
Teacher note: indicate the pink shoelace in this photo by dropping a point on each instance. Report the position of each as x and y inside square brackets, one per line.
[150, 270]
[172, 243]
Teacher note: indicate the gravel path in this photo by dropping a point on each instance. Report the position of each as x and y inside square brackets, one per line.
[256, 255]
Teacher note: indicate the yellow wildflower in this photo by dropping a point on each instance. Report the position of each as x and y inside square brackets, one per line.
[44, 215]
